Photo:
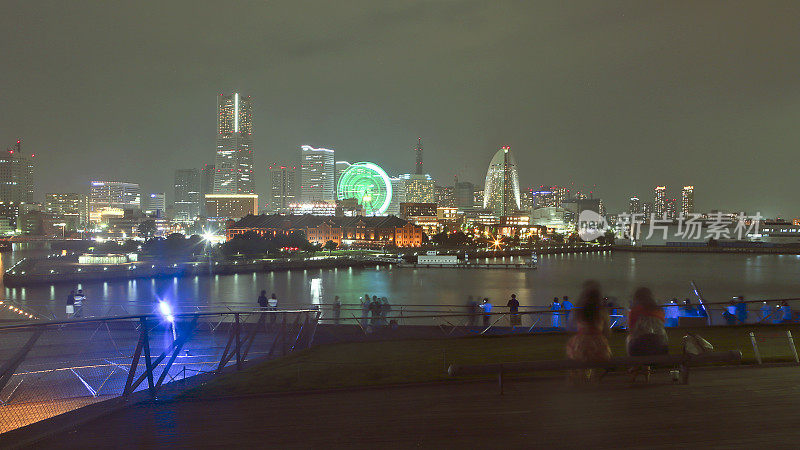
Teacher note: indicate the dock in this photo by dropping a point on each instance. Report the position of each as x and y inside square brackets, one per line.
[524, 266]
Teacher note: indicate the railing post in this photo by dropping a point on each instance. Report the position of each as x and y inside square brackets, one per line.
[792, 347]
[755, 347]
[148, 363]
[238, 344]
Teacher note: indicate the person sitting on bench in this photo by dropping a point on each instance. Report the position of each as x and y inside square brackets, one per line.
[646, 333]
[590, 343]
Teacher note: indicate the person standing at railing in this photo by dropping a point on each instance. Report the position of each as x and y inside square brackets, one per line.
[365, 310]
[472, 311]
[513, 309]
[741, 310]
[337, 310]
[71, 303]
[386, 308]
[556, 308]
[785, 312]
[671, 313]
[486, 307]
[78, 302]
[262, 300]
[566, 305]
[375, 310]
[730, 313]
[272, 302]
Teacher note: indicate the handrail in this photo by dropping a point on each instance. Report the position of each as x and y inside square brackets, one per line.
[150, 316]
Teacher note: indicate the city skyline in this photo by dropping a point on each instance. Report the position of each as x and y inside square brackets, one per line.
[623, 116]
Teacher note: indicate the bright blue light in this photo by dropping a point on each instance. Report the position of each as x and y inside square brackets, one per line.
[166, 310]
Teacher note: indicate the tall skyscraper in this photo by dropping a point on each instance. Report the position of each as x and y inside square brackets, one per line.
[339, 168]
[317, 169]
[687, 200]
[119, 195]
[465, 194]
[16, 175]
[419, 188]
[501, 194]
[445, 196]
[660, 201]
[234, 161]
[635, 206]
[187, 194]
[282, 188]
[418, 166]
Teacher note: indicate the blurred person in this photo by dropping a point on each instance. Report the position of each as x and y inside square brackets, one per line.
[472, 311]
[70, 303]
[730, 313]
[590, 342]
[566, 306]
[79, 298]
[766, 311]
[646, 333]
[262, 300]
[486, 307]
[337, 310]
[785, 312]
[556, 308]
[741, 310]
[671, 313]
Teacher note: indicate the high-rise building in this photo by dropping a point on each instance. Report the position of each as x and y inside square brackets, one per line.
[112, 195]
[207, 175]
[635, 206]
[660, 201]
[419, 188]
[16, 175]
[545, 197]
[317, 175]
[671, 208]
[339, 168]
[445, 196]
[282, 188]
[155, 204]
[399, 195]
[418, 165]
[464, 192]
[501, 194]
[687, 200]
[187, 194]
[234, 162]
[71, 206]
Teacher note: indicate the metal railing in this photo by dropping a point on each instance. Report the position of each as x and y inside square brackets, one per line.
[49, 368]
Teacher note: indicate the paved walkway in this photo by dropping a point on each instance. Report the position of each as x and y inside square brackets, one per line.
[747, 407]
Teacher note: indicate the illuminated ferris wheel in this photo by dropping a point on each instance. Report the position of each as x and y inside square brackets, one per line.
[369, 185]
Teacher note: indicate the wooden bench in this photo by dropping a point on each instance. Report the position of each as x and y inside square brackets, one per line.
[682, 362]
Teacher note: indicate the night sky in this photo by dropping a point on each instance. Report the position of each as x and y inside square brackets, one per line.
[621, 95]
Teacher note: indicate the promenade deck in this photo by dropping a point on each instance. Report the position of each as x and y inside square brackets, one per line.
[742, 407]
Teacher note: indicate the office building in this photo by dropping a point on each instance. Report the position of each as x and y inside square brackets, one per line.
[112, 198]
[464, 193]
[445, 196]
[317, 175]
[399, 195]
[419, 169]
[419, 188]
[222, 207]
[187, 194]
[687, 200]
[155, 204]
[234, 161]
[660, 201]
[282, 188]
[635, 206]
[501, 193]
[671, 208]
[340, 167]
[16, 175]
[71, 206]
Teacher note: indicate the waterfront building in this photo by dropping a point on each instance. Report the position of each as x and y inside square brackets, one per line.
[282, 188]
[660, 201]
[234, 161]
[16, 175]
[187, 194]
[424, 215]
[111, 198]
[501, 193]
[71, 206]
[687, 200]
[322, 209]
[317, 175]
[365, 232]
[221, 207]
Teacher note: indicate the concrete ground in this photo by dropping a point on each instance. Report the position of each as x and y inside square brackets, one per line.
[742, 407]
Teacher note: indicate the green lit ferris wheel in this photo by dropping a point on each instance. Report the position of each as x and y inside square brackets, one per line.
[368, 184]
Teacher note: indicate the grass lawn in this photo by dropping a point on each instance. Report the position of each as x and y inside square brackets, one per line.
[425, 360]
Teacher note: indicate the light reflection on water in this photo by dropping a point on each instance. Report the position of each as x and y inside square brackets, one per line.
[720, 277]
